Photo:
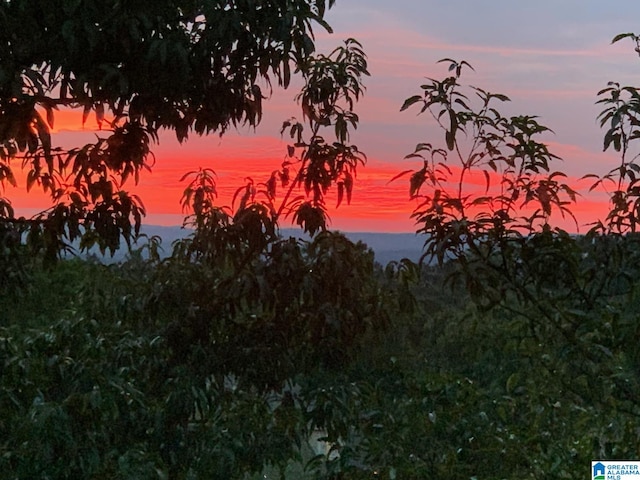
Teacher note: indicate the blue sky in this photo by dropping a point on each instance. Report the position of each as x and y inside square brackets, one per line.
[550, 57]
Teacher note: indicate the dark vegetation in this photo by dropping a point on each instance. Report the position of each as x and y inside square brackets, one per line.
[514, 354]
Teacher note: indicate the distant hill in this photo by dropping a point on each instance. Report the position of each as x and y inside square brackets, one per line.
[387, 247]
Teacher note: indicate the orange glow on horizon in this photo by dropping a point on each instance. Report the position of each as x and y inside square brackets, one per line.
[377, 204]
[70, 120]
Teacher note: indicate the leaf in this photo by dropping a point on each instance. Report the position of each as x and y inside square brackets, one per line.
[99, 114]
[43, 134]
[85, 113]
[608, 138]
[569, 191]
[8, 174]
[271, 185]
[415, 182]
[451, 140]
[410, 101]
[50, 116]
[348, 186]
[617, 145]
[453, 119]
[401, 174]
[512, 382]
[603, 91]
[616, 119]
[488, 180]
[501, 97]
[620, 36]
[461, 103]
[589, 175]
[247, 195]
[464, 62]
[31, 179]
[188, 174]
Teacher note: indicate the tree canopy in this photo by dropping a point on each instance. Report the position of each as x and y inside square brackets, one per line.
[139, 67]
[513, 356]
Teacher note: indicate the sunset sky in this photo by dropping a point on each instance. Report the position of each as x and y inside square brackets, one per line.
[550, 57]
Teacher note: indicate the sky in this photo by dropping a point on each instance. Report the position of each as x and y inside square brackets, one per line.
[550, 57]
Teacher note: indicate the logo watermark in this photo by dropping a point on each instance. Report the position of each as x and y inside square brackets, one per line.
[615, 470]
